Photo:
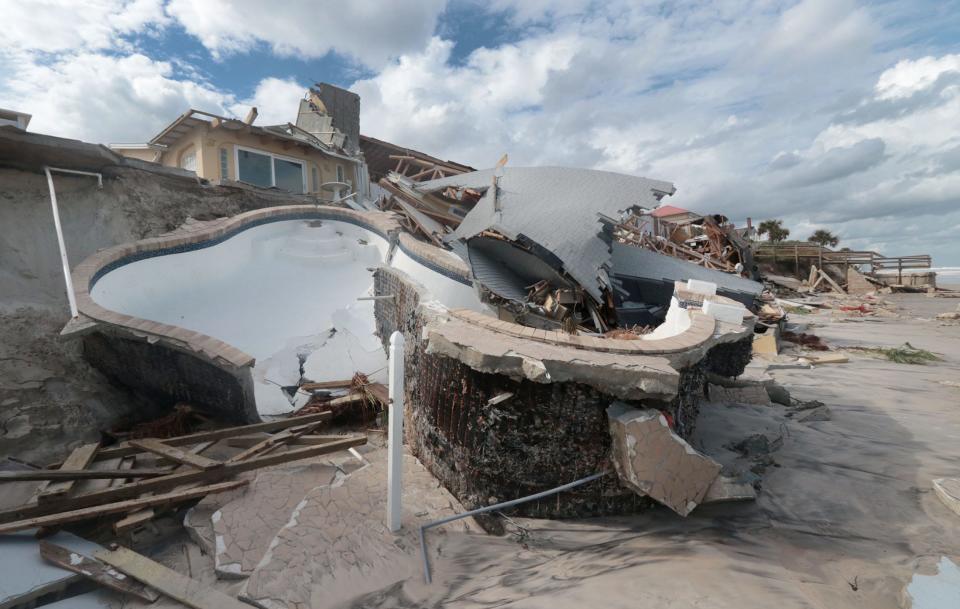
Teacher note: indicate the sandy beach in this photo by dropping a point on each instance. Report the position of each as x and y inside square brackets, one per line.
[845, 517]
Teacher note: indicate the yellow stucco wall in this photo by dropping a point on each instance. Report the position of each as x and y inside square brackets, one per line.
[207, 142]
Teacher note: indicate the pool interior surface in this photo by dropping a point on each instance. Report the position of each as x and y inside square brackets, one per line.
[284, 292]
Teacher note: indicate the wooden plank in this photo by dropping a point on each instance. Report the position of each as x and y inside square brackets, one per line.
[60, 475]
[267, 444]
[78, 460]
[310, 440]
[126, 463]
[95, 570]
[342, 384]
[139, 518]
[152, 445]
[118, 507]
[832, 282]
[181, 588]
[164, 483]
[124, 448]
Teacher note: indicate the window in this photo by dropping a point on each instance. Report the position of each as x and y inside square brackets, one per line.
[189, 161]
[339, 173]
[288, 175]
[315, 175]
[265, 169]
[224, 165]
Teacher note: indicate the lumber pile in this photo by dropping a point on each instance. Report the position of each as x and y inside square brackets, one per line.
[177, 472]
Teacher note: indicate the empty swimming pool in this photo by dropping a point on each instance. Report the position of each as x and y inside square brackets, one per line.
[288, 292]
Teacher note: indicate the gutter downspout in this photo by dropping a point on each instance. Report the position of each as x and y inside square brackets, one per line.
[67, 279]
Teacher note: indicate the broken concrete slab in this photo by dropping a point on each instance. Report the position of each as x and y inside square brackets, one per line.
[654, 461]
[336, 545]
[26, 576]
[725, 489]
[820, 413]
[244, 527]
[747, 394]
[948, 490]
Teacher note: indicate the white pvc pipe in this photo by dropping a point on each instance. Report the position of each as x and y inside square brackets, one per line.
[67, 279]
[395, 434]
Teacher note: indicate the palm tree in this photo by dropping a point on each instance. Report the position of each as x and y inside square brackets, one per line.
[774, 230]
[824, 238]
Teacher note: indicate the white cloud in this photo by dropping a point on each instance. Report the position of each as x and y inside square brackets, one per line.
[102, 98]
[275, 99]
[367, 31]
[910, 76]
[750, 108]
[65, 25]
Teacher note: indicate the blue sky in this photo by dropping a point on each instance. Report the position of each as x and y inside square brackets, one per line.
[837, 114]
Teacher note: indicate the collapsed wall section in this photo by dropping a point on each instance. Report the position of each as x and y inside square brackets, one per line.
[491, 436]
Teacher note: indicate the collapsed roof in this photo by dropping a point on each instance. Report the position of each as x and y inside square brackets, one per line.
[553, 213]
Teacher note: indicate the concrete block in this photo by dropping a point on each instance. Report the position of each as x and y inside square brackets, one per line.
[654, 461]
[948, 490]
[725, 490]
[750, 394]
[698, 286]
[730, 313]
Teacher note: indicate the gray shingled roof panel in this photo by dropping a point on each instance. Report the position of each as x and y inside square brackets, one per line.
[634, 261]
[556, 208]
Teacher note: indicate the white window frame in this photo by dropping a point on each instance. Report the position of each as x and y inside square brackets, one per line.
[273, 172]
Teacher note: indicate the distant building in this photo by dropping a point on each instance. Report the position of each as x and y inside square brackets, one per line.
[20, 120]
[671, 213]
[300, 158]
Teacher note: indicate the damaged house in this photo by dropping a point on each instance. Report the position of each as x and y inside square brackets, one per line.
[542, 346]
[318, 155]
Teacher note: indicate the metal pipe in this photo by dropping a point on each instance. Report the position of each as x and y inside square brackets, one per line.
[67, 279]
[495, 507]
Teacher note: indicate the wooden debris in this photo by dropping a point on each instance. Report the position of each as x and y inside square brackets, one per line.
[118, 507]
[95, 570]
[174, 454]
[179, 587]
[85, 474]
[306, 440]
[832, 283]
[765, 344]
[124, 448]
[500, 397]
[828, 358]
[174, 480]
[139, 518]
[78, 460]
[268, 444]
[342, 384]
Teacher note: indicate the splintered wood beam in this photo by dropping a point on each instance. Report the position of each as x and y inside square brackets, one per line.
[165, 483]
[95, 570]
[140, 517]
[268, 444]
[341, 384]
[152, 445]
[86, 474]
[105, 509]
[179, 587]
[124, 448]
[310, 440]
[78, 460]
